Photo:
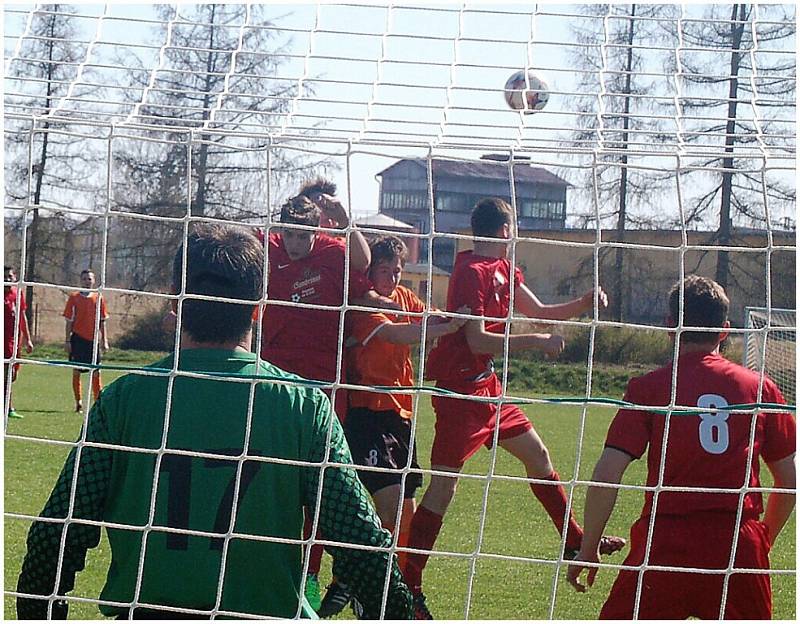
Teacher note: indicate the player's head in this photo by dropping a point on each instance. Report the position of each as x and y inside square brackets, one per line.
[87, 278]
[221, 261]
[386, 267]
[299, 210]
[705, 304]
[9, 275]
[492, 217]
[319, 186]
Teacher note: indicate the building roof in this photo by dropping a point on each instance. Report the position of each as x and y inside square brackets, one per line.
[380, 220]
[487, 170]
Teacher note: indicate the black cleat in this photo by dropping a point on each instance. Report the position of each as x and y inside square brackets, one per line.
[421, 611]
[337, 595]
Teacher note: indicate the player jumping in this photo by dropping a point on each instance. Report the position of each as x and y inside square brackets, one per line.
[462, 362]
[708, 450]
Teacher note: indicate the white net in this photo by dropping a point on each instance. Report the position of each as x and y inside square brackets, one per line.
[667, 147]
[772, 345]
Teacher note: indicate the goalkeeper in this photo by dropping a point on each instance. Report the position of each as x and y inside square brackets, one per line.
[221, 533]
[706, 450]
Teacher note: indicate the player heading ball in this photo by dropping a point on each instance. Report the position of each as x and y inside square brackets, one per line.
[463, 363]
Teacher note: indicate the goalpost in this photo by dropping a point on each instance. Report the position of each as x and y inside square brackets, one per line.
[771, 345]
[117, 116]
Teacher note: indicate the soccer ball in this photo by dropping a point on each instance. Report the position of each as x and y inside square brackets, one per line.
[529, 96]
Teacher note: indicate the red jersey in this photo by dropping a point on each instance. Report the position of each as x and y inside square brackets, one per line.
[374, 361]
[706, 450]
[305, 341]
[11, 324]
[482, 283]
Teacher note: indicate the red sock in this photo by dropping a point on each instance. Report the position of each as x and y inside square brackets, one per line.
[425, 528]
[315, 556]
[554, 500]
[315, 559]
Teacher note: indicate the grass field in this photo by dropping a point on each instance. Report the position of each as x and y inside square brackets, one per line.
[515, 524]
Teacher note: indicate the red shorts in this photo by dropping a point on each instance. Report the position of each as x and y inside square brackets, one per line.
[462, 425]
[698, 540]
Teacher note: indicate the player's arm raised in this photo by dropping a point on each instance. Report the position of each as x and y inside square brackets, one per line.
[780, 504]
[528, 304]
[600, 503]
[359, 248]
[482, 341]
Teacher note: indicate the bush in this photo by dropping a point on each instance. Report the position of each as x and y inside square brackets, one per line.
[146, 333]
[612, 345]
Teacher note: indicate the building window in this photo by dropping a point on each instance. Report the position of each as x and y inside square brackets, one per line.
[444, 250]
[543, 209]
[393, 201]
[450, 202]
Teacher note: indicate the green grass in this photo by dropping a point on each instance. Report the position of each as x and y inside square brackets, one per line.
[515, 523]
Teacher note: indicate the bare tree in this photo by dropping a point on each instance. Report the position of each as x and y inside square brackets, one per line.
[739, 116]
[220, 72]
[40, 76]
[615, 60]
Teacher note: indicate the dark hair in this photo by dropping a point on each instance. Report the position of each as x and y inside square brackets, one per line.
[319, 185]
[85, 271]
[387, 248]
[489, 215]
[9, 268]
[705, 304]
[221, 261]
[300, 210]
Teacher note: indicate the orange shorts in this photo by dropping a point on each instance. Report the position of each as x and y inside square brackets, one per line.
[463, 425]
[697, 540]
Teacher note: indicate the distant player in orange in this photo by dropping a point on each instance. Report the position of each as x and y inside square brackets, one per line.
[80, 312]
[711, 448]
[11, 327]
[378, 424]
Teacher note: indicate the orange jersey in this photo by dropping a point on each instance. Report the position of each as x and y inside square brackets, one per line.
[81, 309]
[377, 362]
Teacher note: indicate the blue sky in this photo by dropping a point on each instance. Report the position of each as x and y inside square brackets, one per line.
[430, 73]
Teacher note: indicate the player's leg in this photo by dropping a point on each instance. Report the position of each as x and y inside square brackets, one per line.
[8, 387]
[77, 390]
[97, 384]
[532, 452]
[397, 489]
[462, 426]
[664, 596]
[312, 589]
[750, 595]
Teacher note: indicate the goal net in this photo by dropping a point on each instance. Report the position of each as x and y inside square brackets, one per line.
[771, 346]
[666, 146]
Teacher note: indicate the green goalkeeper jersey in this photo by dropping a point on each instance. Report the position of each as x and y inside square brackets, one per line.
[213, 522]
